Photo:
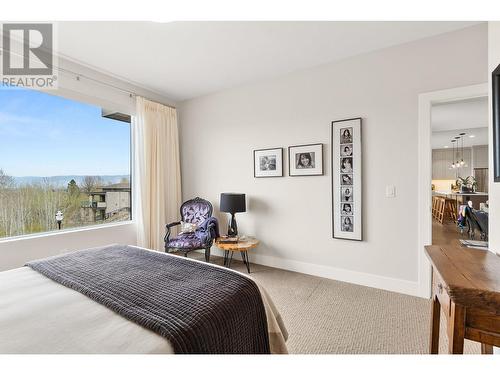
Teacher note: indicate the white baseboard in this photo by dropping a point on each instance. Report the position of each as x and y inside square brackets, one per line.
[353, 277]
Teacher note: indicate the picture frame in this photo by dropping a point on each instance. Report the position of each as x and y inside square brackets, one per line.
[268, 162]
[305, 160]
[495, 101]
[347, 187]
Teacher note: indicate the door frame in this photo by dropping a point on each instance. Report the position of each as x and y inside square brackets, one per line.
[424, 199]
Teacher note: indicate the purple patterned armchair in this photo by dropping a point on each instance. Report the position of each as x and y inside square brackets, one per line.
[196, 211]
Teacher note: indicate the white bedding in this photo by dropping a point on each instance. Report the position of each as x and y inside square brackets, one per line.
[38, 315]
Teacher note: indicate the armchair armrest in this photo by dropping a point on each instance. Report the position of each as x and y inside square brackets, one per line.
[170, 225]
[167, 235]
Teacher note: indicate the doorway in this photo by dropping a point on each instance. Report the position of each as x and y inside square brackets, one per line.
[428, 102]
[459, 142]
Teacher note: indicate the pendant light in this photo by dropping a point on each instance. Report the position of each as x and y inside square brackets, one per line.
[457, 164]
[453, 154]
[462, 163]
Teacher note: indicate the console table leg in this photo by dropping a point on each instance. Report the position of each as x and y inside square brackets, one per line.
[486, 349]
[456, 329]
[435, 321]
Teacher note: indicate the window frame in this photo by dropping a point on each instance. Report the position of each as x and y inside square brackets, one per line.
[79, 98]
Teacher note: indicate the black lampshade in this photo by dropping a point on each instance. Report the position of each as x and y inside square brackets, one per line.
[232, 202]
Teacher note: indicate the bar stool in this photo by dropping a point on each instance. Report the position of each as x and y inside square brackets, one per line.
[440, 209]
[451, 209]
[434, 206]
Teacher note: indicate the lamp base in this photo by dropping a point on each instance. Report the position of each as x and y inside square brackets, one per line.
[232, 230]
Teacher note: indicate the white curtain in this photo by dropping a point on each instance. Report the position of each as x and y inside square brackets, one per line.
[157, 171]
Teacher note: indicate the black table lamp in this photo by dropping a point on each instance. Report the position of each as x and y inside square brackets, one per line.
[232, 203]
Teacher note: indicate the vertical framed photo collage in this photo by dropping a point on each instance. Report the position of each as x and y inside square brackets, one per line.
[346, 164]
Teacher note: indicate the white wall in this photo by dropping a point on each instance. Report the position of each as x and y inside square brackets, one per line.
[292, 216]
[494, 188]
[17, 251]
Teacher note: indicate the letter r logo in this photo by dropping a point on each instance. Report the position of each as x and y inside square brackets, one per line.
[27, 48]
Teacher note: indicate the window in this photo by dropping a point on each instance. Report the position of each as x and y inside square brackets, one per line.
[63, 164]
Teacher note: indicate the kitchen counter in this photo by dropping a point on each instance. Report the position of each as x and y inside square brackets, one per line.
[461, 198]
[449, 192]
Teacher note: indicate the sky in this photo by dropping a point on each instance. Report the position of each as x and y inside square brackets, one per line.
[47, 135]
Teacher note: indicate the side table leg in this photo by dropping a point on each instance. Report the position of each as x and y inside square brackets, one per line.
[244, 256]
[435, 320]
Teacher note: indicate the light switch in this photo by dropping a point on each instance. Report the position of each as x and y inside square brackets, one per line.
[390, 191]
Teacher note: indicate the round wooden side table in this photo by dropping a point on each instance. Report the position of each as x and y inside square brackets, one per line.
[242, 246]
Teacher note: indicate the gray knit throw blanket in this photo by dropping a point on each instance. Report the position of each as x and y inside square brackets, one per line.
[197, 307]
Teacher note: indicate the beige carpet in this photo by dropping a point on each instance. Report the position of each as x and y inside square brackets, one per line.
[327, 316]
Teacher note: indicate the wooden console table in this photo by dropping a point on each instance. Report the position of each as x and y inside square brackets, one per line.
[466, 285]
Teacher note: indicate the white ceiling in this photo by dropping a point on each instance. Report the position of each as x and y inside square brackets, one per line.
[466, 116]
[182, 60]
[443, 139]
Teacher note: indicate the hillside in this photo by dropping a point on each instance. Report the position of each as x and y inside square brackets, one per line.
[62, 181]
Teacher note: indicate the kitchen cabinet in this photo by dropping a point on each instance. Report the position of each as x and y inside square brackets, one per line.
[441, 164]
[480, 156]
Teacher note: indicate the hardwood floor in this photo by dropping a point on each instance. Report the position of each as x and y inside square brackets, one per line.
[446, 234]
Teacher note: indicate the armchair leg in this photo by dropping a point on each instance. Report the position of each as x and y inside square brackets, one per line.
[207, 254]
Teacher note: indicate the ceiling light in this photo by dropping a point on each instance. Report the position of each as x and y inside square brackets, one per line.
[446, 146]
[471, 136]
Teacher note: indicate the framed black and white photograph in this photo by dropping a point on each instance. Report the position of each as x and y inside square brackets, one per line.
[347, 209]
[345, 135]
[268, 162]
[347, 224]
[346, 150]
[347, 179]
[346, 194]
[305, 160]
[346, 165]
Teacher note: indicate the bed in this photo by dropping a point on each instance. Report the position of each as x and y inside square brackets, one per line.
[41, 315]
